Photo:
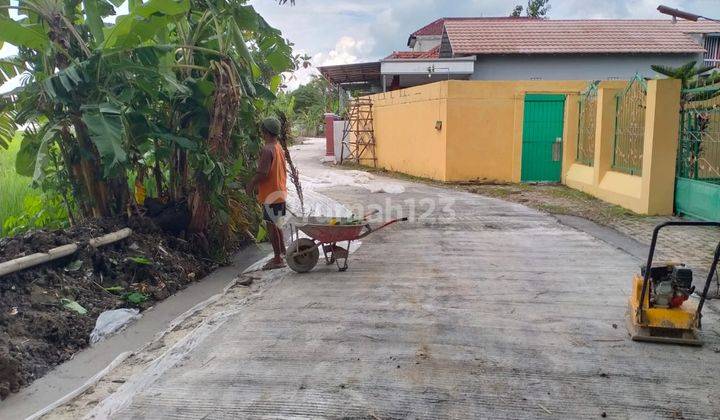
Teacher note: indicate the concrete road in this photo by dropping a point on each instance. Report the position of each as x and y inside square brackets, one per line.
[476, 308]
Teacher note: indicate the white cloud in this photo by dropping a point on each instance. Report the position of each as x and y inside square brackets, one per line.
[347, 50]
[8, 50]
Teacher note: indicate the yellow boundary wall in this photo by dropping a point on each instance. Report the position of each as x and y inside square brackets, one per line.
[405, 136]
[653, 192]
[472, 131]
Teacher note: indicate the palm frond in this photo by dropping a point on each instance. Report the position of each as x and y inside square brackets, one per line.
[668, 71]
[687, 68]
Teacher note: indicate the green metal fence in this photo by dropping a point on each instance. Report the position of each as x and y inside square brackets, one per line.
[697, 189]
[630, 127]
[586, 125]
[699, 149]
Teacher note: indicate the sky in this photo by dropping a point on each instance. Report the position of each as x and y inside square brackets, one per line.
[352, 31]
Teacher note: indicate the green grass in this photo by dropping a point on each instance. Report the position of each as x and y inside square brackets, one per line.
[13, 187]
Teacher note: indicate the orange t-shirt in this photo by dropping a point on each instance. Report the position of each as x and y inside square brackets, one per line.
[272, 189]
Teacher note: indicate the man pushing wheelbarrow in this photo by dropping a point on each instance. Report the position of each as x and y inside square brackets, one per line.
[332, 235]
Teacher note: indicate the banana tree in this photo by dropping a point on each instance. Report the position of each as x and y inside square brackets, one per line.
[168, 92]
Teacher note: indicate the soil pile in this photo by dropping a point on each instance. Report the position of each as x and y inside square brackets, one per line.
[40, 321]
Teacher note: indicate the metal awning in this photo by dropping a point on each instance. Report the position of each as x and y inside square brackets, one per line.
[357, 73]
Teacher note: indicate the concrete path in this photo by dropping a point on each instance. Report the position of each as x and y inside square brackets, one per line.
[475, 308]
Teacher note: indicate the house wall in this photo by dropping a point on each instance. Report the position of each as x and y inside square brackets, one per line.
[445, 47]
[481, 137]
[426, 42]
[405, 135]
[415, 72]
[573, 67]
[485, 121]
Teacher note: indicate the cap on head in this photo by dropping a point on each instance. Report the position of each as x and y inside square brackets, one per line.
[271, 125]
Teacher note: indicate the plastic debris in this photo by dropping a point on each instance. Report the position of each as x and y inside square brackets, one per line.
[111, 322]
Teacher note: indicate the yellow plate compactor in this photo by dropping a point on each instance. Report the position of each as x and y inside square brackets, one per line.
[659, 309]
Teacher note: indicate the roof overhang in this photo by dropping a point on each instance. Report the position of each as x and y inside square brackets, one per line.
[349, 74]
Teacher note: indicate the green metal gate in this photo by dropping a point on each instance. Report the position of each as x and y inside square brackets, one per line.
[630, 127]
[542, 138]
[587, 110]
[697, 188]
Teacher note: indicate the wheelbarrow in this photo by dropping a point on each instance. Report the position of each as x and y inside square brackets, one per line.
[326, 233]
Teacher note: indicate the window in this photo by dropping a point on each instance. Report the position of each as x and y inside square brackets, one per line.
[712, 51]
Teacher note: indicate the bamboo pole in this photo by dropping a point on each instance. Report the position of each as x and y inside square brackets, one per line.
[35, 259]
[110, 238]
[28, 261]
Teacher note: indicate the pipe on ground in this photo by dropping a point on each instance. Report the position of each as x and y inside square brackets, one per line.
[29, 261]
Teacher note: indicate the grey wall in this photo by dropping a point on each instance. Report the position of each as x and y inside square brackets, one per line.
[426, 42]
[572, 67]
[445, 47]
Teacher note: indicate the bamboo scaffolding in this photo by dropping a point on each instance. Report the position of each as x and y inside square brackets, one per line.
[359, 133]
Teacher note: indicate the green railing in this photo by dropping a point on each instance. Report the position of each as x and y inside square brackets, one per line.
[586, 125]
[699, 145]
[630, 127]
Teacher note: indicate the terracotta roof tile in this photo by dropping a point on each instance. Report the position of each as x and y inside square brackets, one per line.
[433, 53]
[436, 27]
[534, 36]
[432, 28]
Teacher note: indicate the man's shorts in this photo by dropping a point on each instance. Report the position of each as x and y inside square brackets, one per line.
[274, 213]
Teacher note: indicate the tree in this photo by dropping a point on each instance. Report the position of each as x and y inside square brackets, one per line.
[696, 82]
[312, 100]
[170, 92]
[689, 74]
[317, 92]
[697, 86]
[535, 9]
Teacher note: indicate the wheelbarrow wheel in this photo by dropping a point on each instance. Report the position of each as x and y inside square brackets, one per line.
[302, 255]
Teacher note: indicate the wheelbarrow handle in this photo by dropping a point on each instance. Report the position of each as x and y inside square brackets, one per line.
[369, 230]
[368, 214]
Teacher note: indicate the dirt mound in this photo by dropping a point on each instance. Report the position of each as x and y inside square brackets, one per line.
[39, 331]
